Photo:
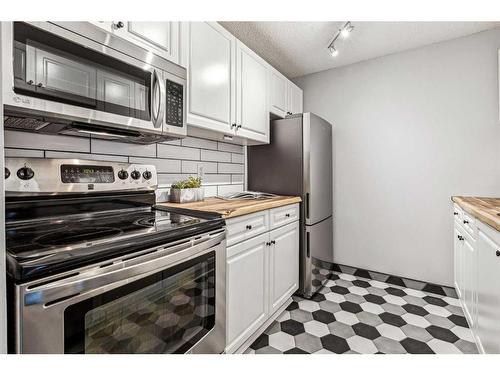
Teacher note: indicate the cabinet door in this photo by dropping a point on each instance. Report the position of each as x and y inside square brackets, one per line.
[60, 74]
[284, 264]
[488, 308]
[251, 95]
[208, 53]
[295, 101]
[470, 279]
[279, 94]
[162, 38]
[247, 268]
[458, 262]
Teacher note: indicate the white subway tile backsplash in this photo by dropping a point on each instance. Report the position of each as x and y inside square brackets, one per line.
[22, 153]
[231, 168]
[100, 146]
[175, 142]
[237, 178]
[217, 179]
[79, 155]
[189, 166]
[238, 158]
[162, 165]
[199, 143]
[178, 152]
[229, 147]
[167, 179]
[223, 163]
[46, 141]
[208, 155]
[226, 189]
[210, 191]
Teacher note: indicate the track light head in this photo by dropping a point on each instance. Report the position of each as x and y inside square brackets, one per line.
[333, 51]
[346, 30]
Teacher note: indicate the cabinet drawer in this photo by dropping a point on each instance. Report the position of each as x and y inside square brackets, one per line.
[468, 222]
[245, 227]
[283, 215]
[458, 214]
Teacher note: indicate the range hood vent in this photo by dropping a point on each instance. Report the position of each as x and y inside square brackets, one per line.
[44, 125]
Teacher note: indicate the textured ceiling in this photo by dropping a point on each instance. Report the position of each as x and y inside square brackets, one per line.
[299, 48]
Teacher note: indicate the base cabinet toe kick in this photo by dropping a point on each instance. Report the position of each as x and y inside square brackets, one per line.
[477, 277]
[262, 272]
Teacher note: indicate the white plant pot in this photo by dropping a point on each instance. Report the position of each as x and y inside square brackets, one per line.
[186, 195]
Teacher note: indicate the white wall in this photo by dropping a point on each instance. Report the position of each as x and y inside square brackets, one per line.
[412, 129]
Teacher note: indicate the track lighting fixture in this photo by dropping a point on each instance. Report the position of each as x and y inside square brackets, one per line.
[343, 32]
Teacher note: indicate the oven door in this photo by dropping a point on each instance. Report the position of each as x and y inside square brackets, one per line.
[164, 300]
[75, 73]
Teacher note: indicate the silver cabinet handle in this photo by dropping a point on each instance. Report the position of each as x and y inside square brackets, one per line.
[157, 100]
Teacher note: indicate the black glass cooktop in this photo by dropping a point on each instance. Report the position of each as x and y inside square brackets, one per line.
[35, 247]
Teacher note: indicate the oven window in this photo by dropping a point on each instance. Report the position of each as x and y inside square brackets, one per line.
[50, 67]
[167, 312]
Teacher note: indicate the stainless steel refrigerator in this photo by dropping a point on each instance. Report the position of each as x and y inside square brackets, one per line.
[298, 161]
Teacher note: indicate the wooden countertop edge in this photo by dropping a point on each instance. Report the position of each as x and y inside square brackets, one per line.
[478, 212]
[259, 205]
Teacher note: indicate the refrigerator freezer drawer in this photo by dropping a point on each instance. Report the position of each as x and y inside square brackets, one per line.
[319, 240]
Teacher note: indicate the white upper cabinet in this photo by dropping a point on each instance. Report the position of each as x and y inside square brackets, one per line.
[285, 97]
[161, 38]
[232, 90]
[295, 99]
[252, 113]
[208, 52]
[279, 93]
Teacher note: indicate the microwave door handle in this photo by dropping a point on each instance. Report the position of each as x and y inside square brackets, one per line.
[63, 290]
[158, 100]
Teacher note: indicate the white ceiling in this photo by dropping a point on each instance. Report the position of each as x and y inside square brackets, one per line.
[299, 48]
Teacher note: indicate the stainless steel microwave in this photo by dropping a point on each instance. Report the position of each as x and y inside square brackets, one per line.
[75, 78]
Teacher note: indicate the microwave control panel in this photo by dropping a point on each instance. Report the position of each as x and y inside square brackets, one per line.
[175, 101]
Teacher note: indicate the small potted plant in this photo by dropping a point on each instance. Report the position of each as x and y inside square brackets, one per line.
[188, 190]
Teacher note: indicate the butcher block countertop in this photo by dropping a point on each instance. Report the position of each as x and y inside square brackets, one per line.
[485, 209]
[233, 208]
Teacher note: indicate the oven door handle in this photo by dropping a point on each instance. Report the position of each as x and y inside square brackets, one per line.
[158, 99]
[128, 271]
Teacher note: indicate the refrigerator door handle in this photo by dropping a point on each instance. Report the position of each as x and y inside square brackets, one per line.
[307, 205]
[308, 245]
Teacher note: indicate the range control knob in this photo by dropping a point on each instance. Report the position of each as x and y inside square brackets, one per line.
[25, 173]
[147, 175]
[7, 173]
[123, 174]
[135, 175]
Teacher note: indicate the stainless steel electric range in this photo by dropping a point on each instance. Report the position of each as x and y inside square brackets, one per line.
[95, 267]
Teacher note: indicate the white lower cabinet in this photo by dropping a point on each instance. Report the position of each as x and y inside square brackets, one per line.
[477, 278]
[262, 273]
[488, 289]
[247, 269]
[284, 264]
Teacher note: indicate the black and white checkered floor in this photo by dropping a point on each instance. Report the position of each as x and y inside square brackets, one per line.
[357, 315]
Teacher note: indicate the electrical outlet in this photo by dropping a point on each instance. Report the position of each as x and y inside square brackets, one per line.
[200, 171]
